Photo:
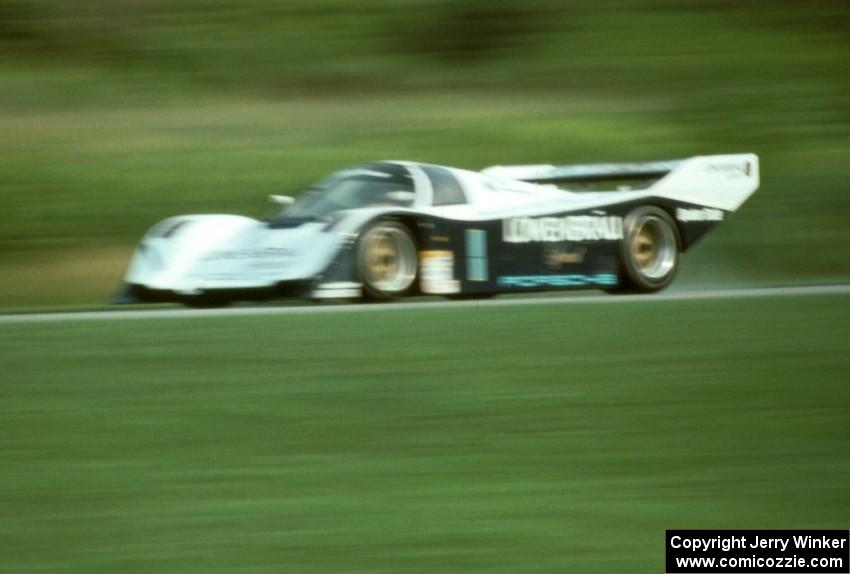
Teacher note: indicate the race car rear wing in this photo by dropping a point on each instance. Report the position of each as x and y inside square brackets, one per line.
[582, 173]
[720, 181]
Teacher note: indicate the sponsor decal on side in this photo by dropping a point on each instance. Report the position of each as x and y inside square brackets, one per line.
[704, 214]
[240, 254]
[437, 272]
[476, 255]
[731, 169]
[557, 258]
[574, 280]
[337, 290]
[568, 228]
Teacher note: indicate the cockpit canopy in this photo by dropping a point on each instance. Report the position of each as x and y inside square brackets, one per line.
[367, 186]
[384, 184]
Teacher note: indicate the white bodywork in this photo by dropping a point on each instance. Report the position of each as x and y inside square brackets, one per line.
[718, 181]
[195, 253]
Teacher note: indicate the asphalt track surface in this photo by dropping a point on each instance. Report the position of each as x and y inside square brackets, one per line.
[317, 308]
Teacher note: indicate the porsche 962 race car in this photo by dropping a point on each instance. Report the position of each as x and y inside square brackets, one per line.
[393, 228]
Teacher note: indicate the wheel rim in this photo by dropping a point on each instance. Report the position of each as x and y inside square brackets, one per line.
[653, 248]
[388, 259]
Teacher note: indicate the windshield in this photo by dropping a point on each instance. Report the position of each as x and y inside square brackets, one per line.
[374, 185]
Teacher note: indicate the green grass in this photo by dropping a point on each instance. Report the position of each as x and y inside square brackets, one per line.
[534, 439]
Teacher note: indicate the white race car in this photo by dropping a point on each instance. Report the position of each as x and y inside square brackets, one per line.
[393, 228]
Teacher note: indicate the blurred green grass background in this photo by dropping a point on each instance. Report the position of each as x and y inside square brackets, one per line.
[547, 439]
[554, 438]
[114, 114]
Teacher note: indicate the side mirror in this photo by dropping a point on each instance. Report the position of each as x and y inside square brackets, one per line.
[282, 199]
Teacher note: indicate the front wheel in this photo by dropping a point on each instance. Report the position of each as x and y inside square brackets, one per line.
[650, 250]
[387, 260]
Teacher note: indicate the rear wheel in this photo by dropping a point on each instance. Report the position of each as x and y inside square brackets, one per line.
[650, 250]
[387, 260]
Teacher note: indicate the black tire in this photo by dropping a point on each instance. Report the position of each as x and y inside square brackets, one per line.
[649, 252]
[387, 260]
